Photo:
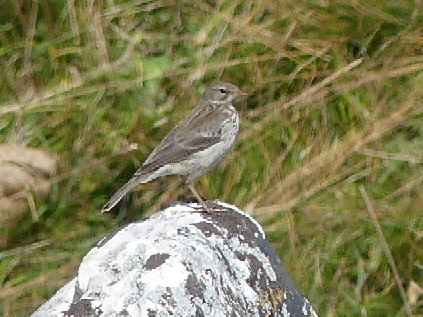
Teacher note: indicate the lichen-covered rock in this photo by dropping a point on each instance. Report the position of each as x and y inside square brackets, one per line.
[182, 262]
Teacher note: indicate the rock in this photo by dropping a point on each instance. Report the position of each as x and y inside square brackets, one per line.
[182, 262]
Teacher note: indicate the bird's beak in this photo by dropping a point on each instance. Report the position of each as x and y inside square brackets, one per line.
[241, 94]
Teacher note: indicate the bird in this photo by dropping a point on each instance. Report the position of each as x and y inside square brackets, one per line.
[195, 145]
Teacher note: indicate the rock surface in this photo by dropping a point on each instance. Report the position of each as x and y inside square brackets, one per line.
[182, 262]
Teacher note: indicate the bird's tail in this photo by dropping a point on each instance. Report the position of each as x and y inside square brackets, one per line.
[134, 181]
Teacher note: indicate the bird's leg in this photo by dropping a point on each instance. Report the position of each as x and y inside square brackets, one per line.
[200, 200]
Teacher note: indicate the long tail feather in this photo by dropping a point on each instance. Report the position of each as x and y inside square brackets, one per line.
[125, 189]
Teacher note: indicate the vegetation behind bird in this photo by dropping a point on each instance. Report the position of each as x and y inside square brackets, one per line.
[330, 137]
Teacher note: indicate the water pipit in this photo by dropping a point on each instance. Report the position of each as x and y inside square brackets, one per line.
[195, 145]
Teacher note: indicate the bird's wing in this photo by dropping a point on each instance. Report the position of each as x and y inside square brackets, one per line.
[200, 129]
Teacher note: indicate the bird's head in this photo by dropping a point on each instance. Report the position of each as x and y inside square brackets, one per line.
[222, 92]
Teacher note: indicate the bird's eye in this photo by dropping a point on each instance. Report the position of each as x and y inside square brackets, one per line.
[222, 90]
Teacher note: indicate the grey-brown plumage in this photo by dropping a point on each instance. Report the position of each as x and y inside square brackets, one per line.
[195, 145]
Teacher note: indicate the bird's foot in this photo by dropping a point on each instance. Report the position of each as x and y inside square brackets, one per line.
[213, 208]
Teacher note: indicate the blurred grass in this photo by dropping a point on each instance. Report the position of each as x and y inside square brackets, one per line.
[335, 105]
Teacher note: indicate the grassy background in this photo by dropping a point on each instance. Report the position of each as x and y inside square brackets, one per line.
[329, 158]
